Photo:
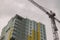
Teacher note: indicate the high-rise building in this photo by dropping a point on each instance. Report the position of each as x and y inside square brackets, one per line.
[19, 28]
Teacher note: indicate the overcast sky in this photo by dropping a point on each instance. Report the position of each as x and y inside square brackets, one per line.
[8, 9]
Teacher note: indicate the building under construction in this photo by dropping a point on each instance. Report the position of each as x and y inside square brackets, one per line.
[19, 28]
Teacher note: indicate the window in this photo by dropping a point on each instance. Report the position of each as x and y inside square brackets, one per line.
[30, 27]
[19, 22]
[2, 38]
[41, 39]
[30, 33]
[17, 31]
[44, 37]
[12, 38]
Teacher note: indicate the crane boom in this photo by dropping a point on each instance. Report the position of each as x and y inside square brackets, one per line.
[42, 8]
[52, 17]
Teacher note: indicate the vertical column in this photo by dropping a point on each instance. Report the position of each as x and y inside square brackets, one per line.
[38, 32]
[10, 33]
[33, 34]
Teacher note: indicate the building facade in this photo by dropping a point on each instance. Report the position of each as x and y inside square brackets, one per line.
[19, 28]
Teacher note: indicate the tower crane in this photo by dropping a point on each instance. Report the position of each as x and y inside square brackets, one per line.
[51, 16]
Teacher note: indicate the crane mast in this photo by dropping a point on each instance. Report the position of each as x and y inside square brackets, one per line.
[52, 17]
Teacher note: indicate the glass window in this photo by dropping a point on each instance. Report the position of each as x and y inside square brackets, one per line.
[41, 39]
[3, 38]
[19, 22]
[19, 25]
[30, 33]
[12, 38]
[30, 27]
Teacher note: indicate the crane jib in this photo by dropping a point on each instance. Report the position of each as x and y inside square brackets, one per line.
[52, 17]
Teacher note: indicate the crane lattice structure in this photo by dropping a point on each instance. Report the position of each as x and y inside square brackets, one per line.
[51, 16]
